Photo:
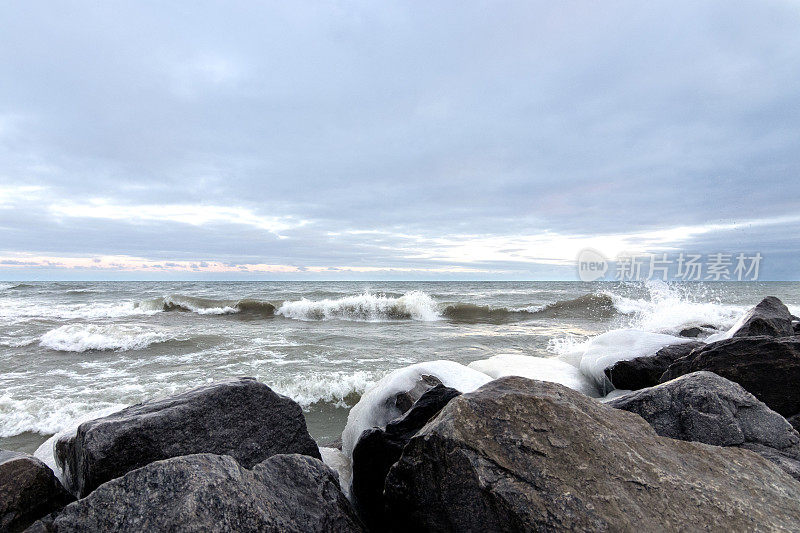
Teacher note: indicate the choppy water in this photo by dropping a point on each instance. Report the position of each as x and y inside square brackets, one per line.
[68, 348]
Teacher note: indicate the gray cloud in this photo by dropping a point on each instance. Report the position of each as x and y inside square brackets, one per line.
[449, 120]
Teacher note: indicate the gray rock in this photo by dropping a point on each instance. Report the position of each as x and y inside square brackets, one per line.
[642, 372]
[705, 407]
[770, 317]
[767, 367]
[405, 399]
[794, 421]
[691, 332]
[523, 455]
[28, 491]
[214, 493]
[378, 449]
[241, 418]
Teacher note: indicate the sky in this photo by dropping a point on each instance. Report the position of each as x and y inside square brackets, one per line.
[394, 140]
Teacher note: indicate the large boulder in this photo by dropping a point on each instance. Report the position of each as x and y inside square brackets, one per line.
[205, 492]
[28, 490]
[767, 367]
[241, 418]
[705, 407]
[523, 455]
[378, 449]
[770, 317]
[646, 371]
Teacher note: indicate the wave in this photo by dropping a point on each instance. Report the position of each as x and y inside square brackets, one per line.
[338, 389]
[588, 306]
[15, 286]
[207, 306]
[83, 338]
[666, 309]
[366, 307]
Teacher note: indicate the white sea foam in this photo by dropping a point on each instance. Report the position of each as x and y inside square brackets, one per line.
[45, 415]
[540, 368]
[84, 337]
[415, 305]
[328, 387]
[375, 410]
[21, 309]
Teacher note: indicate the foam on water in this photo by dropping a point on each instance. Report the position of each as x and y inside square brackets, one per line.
[414, 305]
[539, 368]
[341, 389]
[375, 408]
[84, 337]
[44, 415]
[20, 309]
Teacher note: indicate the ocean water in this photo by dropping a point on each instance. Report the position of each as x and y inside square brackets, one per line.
[68, 349]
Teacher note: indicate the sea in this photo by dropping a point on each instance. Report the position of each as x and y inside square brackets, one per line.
[70, 349]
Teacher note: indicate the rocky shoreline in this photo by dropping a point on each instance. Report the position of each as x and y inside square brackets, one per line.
[698, 435]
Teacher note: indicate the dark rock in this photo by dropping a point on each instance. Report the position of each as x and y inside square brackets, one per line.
[767, 367]
[645, 371]
[691, 332]
[523, 455]
[205, 492]
[377, 450]
[405, 399]
[705, 407]
[241, 418]
[769, 317]
[796, 328]
[28, 491]
[794, 421]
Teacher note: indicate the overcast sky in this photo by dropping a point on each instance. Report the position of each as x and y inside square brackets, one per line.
[385, 140]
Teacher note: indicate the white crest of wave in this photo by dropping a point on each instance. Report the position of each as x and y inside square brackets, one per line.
[84, 337]
[329, 387]
[375, 409]
[539, 368]
[415, 305]
[667, 310]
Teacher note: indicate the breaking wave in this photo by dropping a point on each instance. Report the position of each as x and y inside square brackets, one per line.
[367, 307]
[83, 338]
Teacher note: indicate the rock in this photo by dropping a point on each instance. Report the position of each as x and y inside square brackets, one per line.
[241, 418]
[377, 450]
[796, 328]
[644, 372]
[523, 455]
[28, 491]
[691, 332]
[794, 421]
[767, 367]
[770, 317]
[205, 492]
[705, 407]
[405, 399]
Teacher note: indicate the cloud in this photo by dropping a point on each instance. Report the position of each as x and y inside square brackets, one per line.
[452, 138]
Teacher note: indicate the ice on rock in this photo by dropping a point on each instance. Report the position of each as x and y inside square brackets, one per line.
[539, 368]
[602, 351]
[375, 409]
